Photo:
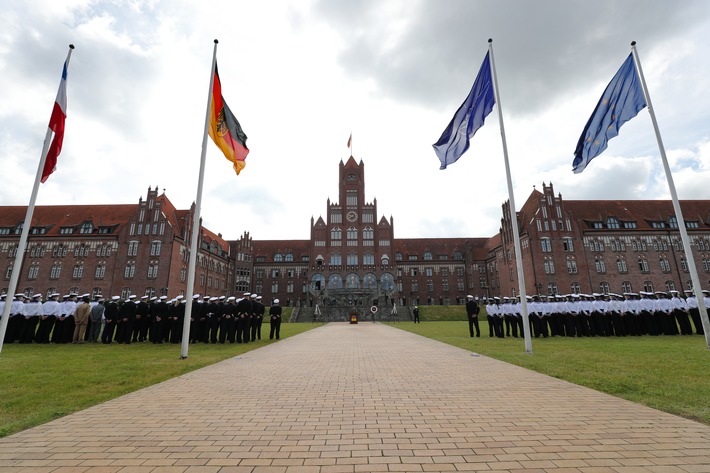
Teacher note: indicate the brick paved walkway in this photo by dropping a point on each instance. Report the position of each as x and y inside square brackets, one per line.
[362, 398]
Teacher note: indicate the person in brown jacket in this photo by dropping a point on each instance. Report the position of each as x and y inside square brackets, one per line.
[81, 319]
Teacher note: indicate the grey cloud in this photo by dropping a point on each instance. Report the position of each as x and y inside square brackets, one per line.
[537, 44]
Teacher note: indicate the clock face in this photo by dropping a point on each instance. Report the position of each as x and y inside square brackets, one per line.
[351, 216]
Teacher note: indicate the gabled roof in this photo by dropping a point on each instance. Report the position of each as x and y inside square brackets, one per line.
[437, 246]
[55, 217]
[208, 236]
[643, 212]
[173, 215]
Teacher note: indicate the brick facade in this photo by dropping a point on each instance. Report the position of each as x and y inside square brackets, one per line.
[567, 246]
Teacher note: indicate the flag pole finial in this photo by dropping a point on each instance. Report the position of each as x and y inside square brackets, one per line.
[490, 40]
[216, 41]
[633, 43]
[71, 46]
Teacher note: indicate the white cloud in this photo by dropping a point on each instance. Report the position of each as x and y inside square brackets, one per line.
[301, 76]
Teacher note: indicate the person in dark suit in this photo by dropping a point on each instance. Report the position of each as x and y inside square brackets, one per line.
[111, 316]
[415, 313]
[127, 318]
[140, 327]
[244, 311]
[275, 320]
[259, 310]
[159, 319]
[176, 314]
[227, 323]
[472, 311]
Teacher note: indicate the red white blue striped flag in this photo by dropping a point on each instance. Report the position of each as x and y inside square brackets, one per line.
[56, 124]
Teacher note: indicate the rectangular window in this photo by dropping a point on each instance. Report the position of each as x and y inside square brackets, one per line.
[351, 198]
[546, 245]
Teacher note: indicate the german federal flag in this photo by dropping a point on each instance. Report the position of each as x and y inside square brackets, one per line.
[225, 130]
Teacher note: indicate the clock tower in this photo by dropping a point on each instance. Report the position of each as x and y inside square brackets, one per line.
[351, 252]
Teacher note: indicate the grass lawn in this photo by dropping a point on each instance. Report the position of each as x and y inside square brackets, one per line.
[671, 374]
[39, 383]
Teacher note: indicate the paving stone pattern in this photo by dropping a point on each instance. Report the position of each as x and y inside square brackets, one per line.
[362, 398]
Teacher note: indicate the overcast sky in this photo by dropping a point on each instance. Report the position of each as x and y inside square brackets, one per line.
[302, 75]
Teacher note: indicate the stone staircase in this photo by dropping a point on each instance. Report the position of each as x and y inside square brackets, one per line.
[341, 313]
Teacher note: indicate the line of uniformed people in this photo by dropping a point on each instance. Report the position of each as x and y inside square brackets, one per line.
[156, 319]
[582, 315]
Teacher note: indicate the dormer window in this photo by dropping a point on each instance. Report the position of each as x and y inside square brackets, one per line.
[86, 227]
[612, 222]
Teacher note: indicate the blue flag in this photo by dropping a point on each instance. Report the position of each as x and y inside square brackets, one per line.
[621, 101]
[468, 119]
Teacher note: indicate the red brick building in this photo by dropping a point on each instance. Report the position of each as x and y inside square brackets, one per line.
[352, 254]
[126, 249]
[601, 246]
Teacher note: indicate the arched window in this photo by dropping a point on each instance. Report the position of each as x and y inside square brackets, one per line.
[278, 257]
[318, 282]
[387, 282]
[352, 281]
[428, 256]
[369, 281]
[336, 233]
[335, 281]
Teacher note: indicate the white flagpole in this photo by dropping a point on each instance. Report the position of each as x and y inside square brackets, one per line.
[17, 266]
[513, 215]
[697, 289]
[196, 220]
